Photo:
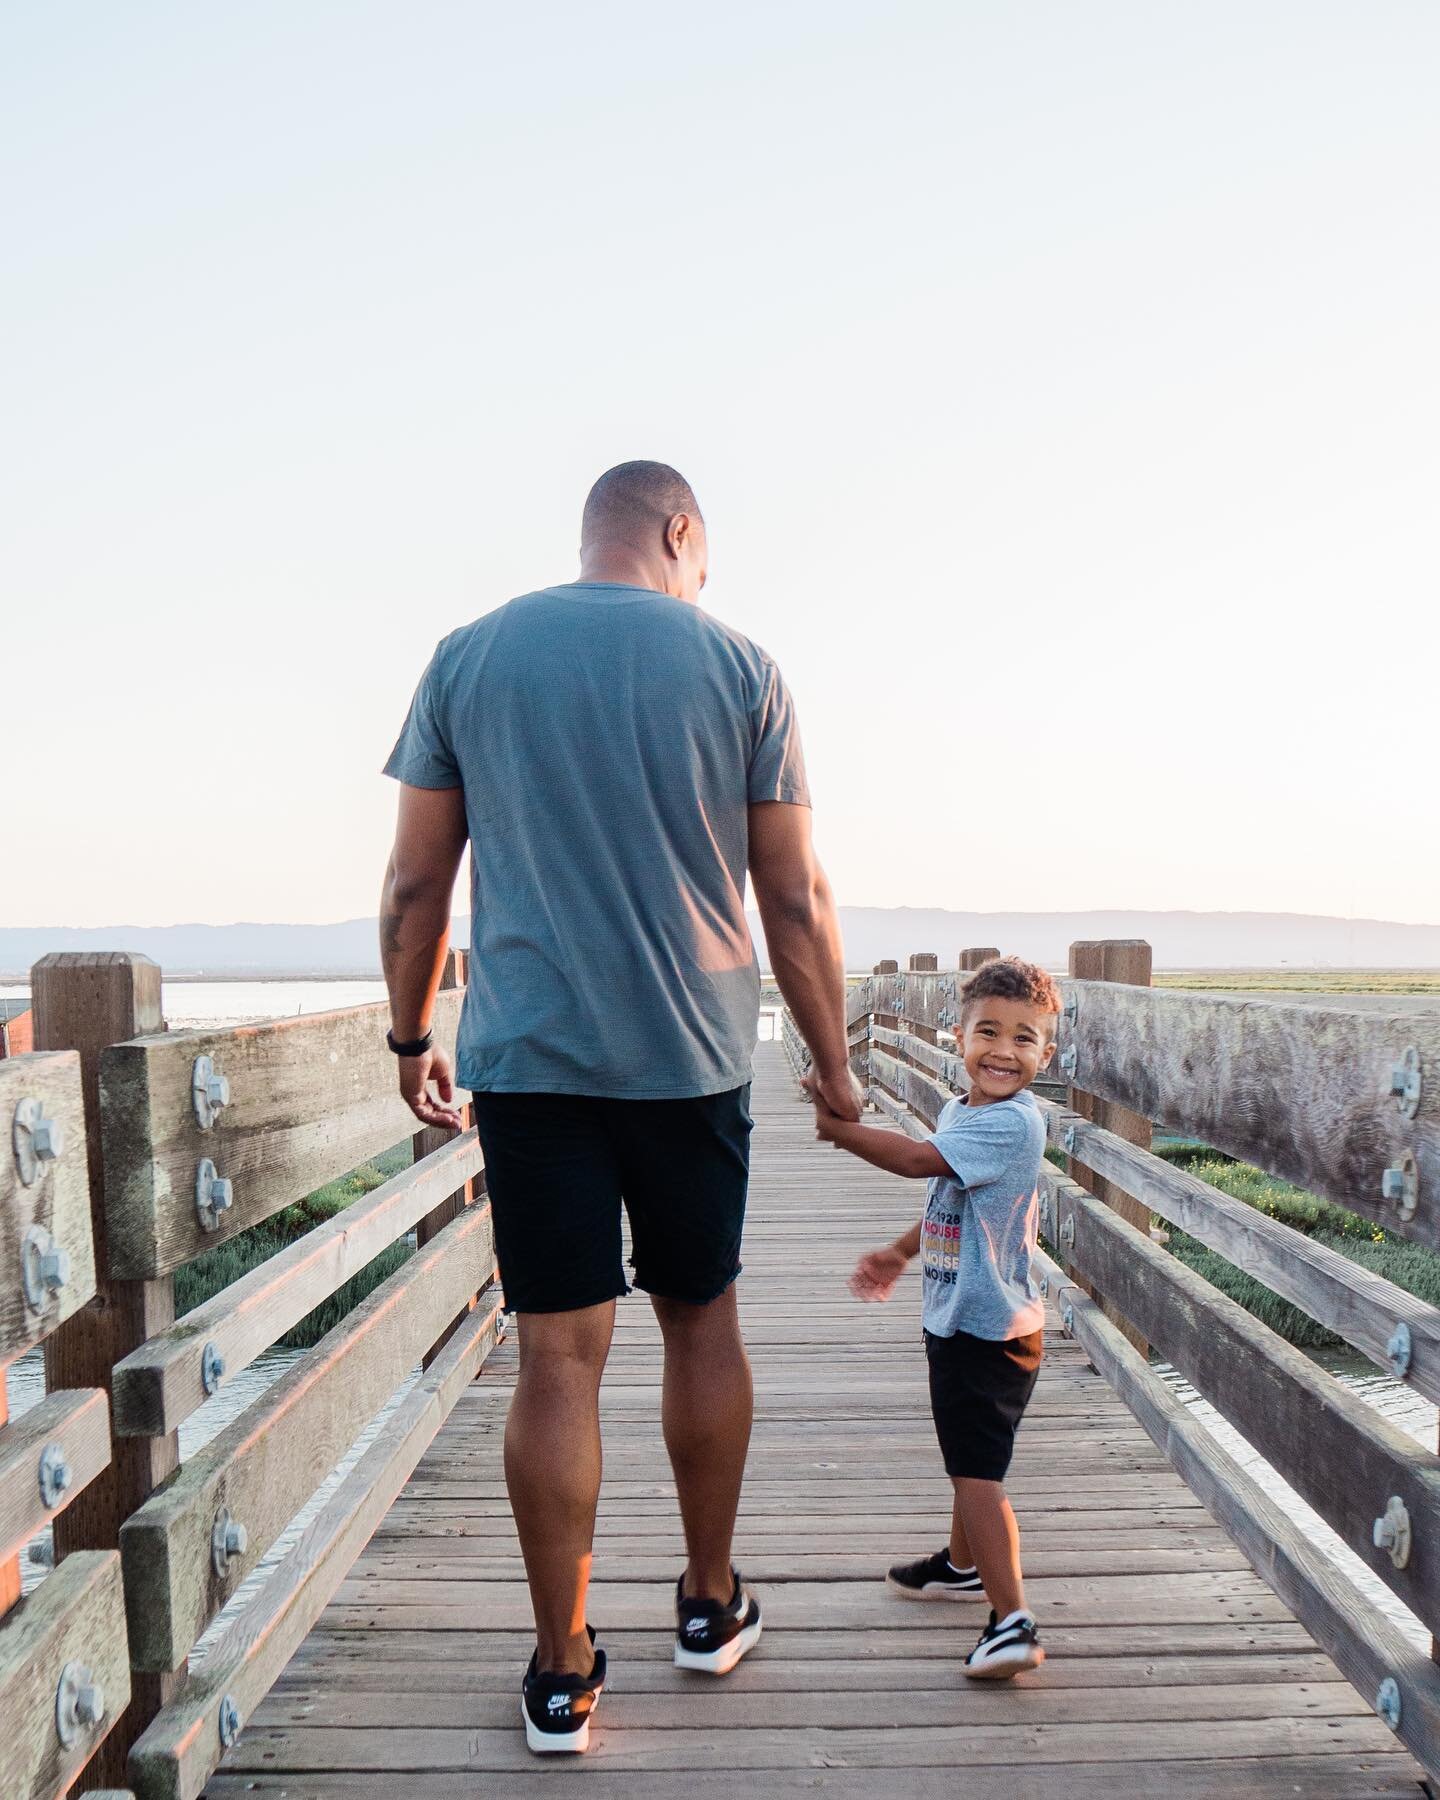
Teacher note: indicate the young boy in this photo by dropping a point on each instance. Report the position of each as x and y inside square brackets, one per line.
[983, 1315]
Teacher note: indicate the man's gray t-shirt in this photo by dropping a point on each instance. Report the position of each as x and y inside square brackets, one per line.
[609, 741]
[978, 1233]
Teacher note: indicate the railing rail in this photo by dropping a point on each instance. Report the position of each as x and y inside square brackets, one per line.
[1347, 1104]
[64, 1667]
[198, 1136]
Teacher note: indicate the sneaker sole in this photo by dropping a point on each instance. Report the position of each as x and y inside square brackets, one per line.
[723, 1660]
[933, 1591]
[556, 1743]
[1006, 1668]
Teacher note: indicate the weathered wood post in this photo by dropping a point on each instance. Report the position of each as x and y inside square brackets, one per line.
[87, 1001]
[972, 959]
[923, 962]
[1125, 960]
[431, 1137]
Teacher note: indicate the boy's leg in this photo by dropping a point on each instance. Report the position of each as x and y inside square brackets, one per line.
[991, 1538]
[707, 1408]
[959, 1551]
[552, 1470]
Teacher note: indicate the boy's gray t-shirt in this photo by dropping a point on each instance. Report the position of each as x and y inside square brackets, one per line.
[979, 1229]
[609, 741]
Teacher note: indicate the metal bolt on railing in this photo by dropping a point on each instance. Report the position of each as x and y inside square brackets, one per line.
[214, 1195]
[44, 1267]
[212, 1368]
[209, 1092]
[229, 1721]
[1069, 1060]
[1387, 1702]
[1391, 1532]
[55, 1475]
[1067, 1319]
[1069, 1140]
[1405, 1081]
[1398, 1351]
[228, 1539]
[1400, 1185]
[36, 1140]
[1067, 1229]
[79, 1703]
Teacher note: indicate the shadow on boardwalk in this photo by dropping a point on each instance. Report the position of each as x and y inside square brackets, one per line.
[1173, 1670]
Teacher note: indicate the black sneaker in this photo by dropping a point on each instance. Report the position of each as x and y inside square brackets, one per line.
[1007, 1647]
[933, 1578]
[712, 1637]
[557, 1708]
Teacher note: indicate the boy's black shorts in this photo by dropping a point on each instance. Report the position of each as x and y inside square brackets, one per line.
[979, 1389]
[560, 1166]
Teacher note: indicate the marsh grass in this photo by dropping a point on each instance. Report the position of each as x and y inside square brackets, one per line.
[1409, 1266]
[211, 1273]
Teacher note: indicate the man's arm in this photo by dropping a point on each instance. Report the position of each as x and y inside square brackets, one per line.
[415, 932]
[802, 933]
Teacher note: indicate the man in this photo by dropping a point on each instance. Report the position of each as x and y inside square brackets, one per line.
[616, 760]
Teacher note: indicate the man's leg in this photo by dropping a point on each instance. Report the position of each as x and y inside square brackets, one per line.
[552, 1469]
[707, 1409]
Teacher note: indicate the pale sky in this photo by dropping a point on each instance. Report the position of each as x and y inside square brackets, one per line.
[1060, 382]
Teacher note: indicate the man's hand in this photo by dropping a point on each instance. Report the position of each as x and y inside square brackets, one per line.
[840, 1097]
[416, 1074]
[839, 1094]
[877, 1272]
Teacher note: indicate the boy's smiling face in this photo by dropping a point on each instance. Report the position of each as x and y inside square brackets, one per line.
[1004, 1045]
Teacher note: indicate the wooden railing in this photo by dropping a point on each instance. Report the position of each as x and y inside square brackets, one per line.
[1347, 1104]
[198, 1136]
[64, 1668]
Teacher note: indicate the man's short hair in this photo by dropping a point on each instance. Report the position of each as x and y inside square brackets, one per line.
[635, 498]
[1008, 978]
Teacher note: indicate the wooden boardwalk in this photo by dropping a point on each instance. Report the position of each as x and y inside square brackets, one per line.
[1173, 1670]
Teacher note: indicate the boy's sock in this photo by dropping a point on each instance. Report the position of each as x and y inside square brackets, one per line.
[935, 1578]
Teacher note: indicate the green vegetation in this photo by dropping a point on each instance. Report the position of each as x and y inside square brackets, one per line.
[216, 1269]
[1408, 1265]
[1302, 981]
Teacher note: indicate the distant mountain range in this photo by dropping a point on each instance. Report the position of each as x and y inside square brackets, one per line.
[1181, 940]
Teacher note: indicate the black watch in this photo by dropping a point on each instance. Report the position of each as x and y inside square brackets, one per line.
[417, 1046]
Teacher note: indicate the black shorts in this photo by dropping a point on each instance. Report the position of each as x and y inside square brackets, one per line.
[979, 1389]
[559, 1167]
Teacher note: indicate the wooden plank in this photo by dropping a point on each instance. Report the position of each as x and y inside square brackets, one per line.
[1369, 1776]
[977, 957]
[1304, 1092]
[75, 1615]
[310, 1099]
[1348, 1299]
[264, 1465]
[1340, 1455]
[86, 1001]
[921, 1092]
[78, 1421]
[177, 1754]
[1025, 1743]
[58, 1201]
[162, 1382]
[1366, 1646]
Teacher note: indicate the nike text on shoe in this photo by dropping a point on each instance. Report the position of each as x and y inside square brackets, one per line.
[1007, 1647]
[711, 1636]
[935, 1578]
[557, 1709]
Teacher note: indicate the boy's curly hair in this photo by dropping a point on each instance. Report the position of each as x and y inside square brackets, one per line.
[1008, 978]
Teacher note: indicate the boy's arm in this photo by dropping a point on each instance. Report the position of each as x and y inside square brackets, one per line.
[888, 1150]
